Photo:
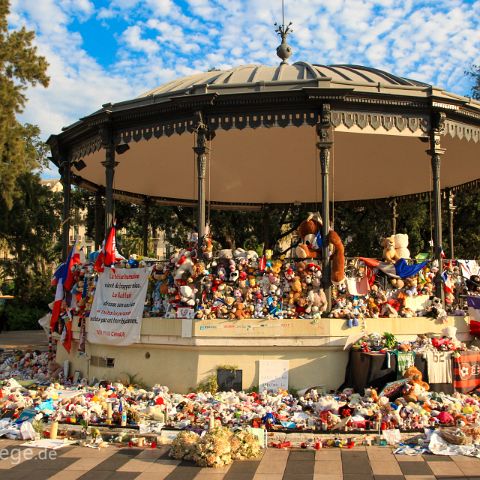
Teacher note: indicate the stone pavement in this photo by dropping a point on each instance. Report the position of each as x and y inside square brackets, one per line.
[360, 463]
[24, 339]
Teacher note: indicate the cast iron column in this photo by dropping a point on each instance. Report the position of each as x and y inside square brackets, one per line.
[325, 141]
[99, 214]
[203, 136]
[438, 125]
[65, 172]
[451, 211]
[146, 217]
[109, 164]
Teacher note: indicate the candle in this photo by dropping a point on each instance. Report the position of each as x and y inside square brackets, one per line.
[53, 430]
[109, 413]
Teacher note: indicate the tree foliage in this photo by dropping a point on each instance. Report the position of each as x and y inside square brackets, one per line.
[20, 67]
[475, 74]
[29, 229]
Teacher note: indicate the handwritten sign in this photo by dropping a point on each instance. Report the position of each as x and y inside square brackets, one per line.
[272, 375]
[117, 309]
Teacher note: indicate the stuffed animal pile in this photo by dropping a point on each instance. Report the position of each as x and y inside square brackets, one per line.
[413, 407]
[238, 284]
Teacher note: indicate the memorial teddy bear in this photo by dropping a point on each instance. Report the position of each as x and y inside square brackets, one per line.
[337, 258]
[415, 390]
[309, 232]
[389, 253]
[401, 246]
[240, 312]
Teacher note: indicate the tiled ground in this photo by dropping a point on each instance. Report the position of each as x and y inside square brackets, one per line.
[372, 463]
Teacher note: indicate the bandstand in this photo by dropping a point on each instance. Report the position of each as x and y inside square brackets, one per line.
[256, 135]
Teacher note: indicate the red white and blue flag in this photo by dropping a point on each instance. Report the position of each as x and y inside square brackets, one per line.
[474, 313]
[108, 255]
[399, 269]
[63, 279]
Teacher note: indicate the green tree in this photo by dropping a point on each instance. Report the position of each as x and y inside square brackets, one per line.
[475, 74]
[466, 225]
[20, 67]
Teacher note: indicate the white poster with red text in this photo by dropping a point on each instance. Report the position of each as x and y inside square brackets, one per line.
[117, 309]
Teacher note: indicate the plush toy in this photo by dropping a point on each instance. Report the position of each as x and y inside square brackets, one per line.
[337, 258]
[411, 285]
[187, 295]
[317, 299]
[183, 265]
[309, 232]
[240, 312]
[389, 253]
[373, 310]
[207, 248]
[416, 387]
[436, 310]
[296, 288]
[401, 246]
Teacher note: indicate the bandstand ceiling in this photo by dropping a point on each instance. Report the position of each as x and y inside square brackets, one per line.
[281, 165]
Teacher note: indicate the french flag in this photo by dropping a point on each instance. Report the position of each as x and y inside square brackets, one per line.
[63, 279]
[399, 269]
[108, 254]
[474, 313]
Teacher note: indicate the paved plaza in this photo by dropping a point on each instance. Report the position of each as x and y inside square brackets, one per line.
[360, 463]
[24, 340]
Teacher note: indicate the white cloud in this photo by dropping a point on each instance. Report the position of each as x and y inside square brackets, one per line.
[434, 41]
[132, 37]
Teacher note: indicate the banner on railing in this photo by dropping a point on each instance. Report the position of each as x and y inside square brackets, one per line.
[117, 309]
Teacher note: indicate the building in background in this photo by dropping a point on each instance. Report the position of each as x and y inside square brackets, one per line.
[78, 230]
[78, 221]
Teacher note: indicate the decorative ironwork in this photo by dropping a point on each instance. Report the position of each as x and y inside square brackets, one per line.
[462, 131]
[377, 120]
[284, 51]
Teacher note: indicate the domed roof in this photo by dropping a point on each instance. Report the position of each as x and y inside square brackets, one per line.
[285, 76]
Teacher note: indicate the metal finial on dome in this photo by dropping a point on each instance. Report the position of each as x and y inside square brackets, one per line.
[284, 50]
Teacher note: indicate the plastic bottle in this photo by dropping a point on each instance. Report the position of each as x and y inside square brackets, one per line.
[123, 422]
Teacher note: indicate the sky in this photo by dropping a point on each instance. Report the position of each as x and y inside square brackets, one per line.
[106, 51]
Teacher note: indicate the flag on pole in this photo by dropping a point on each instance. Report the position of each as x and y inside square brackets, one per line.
[108, 255]
[63, 279]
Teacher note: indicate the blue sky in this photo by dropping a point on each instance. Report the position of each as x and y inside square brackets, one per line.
[110, 50]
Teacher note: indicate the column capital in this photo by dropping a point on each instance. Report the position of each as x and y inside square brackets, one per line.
[204, 134]
[325, 128]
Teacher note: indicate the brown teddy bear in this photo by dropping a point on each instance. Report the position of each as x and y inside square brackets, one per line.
[389, 252]
[240, 312]
[309, 232]
[416, 387]
[296, 288]
[338, 257]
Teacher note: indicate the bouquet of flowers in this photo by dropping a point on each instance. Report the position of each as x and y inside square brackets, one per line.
[214, 448]
[184, 445]
[244, 445]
